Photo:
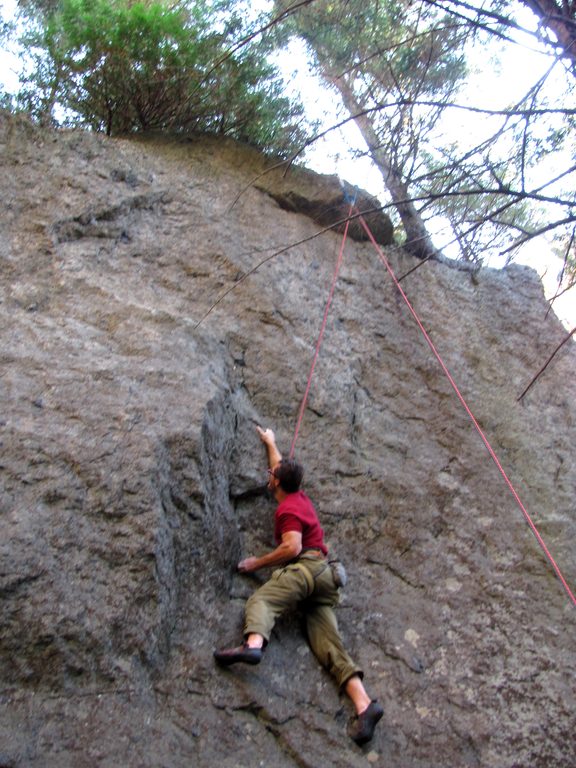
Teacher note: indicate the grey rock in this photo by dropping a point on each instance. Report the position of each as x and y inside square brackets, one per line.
[132, 477]
[327, 201]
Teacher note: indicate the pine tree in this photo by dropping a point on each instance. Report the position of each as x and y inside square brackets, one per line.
[382, 58]
[121, 66]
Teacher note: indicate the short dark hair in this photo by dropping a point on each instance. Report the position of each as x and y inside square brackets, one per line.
[289, 473]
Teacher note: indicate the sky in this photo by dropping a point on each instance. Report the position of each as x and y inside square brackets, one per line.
[520, 67]
[8, 63]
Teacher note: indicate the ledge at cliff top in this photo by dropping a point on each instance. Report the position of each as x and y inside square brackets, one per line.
[326, 200]
[132, 475]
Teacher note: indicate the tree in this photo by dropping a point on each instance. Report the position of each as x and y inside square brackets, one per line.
[121, 66]
[556, 21]
[6, 32]
[398, 69]
[382, 57]
[560, 20]
[537, 128]
[565, 247]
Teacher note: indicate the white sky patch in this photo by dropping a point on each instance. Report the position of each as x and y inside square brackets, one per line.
[341, 152]
[9, 62]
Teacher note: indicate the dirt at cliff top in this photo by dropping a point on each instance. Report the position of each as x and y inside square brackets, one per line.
[132, 476]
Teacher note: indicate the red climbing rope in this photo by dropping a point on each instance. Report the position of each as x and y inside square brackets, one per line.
[485, 440]
[384, 260]
[321, 335]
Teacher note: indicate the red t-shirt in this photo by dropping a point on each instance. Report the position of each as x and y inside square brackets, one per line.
[296, 513]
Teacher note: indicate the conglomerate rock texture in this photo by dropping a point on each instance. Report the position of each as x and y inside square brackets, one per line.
[132, 476]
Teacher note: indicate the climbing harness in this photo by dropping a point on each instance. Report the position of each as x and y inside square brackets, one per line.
[310, 577]
[453, 384]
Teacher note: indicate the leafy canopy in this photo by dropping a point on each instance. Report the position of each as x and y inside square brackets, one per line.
[122, 66]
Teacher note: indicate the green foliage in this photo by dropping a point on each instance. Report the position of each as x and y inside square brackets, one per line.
[6, 29]
[38, 7]
[6, 102]
[121, 66]
[482, 212]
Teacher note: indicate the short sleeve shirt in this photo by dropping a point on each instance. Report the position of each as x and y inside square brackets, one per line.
[296, 513]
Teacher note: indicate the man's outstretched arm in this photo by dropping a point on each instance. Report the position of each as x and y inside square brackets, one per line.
[269, 439]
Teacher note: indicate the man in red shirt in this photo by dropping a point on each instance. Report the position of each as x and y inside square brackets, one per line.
[303, 579]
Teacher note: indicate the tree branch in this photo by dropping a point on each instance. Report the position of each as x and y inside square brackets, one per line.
[547, 363]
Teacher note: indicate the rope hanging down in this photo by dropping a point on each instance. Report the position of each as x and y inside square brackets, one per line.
[321, 335]
[479, 430]
[491, 451]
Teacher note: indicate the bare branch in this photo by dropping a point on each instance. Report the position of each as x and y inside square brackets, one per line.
[561, 291]
[547, 363]
[541, 231]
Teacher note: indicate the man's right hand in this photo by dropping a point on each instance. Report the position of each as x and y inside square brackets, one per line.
[267, 436]
[248, 565]
[269, 439]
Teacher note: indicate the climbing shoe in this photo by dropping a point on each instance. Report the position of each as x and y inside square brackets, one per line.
[362, 728]
[242, 653]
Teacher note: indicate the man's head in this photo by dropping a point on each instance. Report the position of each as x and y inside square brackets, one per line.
[288, 474]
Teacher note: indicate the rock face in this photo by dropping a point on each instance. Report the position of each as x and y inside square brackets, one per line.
[323, 198]
[132, 476]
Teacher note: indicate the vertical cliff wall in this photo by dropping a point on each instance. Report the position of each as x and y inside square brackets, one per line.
[132, 476]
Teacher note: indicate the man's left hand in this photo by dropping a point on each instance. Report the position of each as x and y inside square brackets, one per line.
[248, 565]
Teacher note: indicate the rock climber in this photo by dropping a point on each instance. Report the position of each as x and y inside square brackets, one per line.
[304, 578]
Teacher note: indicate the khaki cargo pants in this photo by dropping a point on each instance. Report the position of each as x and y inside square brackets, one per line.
[307, 584]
